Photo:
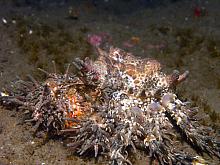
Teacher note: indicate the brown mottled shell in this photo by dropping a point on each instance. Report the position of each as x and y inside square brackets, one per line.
[133, 65]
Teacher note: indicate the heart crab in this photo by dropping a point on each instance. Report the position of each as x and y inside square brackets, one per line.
[113, 106]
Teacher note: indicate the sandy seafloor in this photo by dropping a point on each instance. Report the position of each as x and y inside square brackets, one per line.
[185, 42]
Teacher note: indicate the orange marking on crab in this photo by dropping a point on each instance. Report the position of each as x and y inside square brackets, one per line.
[75, 111]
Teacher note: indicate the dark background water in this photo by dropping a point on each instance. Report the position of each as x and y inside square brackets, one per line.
[116, 6]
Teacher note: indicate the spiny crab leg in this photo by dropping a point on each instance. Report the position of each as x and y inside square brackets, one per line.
[188, 128]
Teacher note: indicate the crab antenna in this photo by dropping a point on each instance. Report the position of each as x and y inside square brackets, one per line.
[44, 71]
[33, 80]
[67, 71]
[54, 66]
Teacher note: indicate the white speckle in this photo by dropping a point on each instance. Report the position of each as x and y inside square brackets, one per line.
[11, 52]
[170, 106]
[136, 101]
[179, 102]
[30, 31]
[4, 21]
[178, 120]
[3, 94]
[14, 21]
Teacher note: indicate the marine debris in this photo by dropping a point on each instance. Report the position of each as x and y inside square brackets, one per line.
[114, 106]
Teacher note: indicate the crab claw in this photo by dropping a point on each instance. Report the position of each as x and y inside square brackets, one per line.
[175, 78]
[183, 76]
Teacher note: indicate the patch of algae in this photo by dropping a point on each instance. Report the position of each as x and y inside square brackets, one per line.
[213, 47]
[42, 43]
[188, 41]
